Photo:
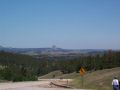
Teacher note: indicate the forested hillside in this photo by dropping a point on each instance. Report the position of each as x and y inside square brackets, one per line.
[16, 67]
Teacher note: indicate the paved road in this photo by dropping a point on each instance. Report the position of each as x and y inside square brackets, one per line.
[34, 85]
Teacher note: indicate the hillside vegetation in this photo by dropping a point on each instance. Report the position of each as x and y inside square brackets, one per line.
[101, 79]
[51, 75]
[17, 67]
[59, 75]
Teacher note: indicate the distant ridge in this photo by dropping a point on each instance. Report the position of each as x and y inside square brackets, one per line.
[54, 51]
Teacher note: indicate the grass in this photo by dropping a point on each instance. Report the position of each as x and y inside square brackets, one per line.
[100, 80]
[59, 74]
[69, 76]
[52, 75]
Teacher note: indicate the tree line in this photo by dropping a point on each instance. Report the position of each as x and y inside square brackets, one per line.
[17, 67]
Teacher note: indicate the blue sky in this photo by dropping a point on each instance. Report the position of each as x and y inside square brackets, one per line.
[71, 24]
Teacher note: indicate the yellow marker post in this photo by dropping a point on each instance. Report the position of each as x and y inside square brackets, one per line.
[82, 73]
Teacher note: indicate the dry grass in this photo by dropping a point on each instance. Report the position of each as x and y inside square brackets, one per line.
[59, 75]
[50, 75]
[100, 80]
[69, 76]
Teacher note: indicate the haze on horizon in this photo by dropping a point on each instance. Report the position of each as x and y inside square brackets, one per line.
[70, 24]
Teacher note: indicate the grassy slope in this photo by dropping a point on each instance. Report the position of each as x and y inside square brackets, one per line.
[59, 74]
[99, 79]
[69, 76]
[50, 75]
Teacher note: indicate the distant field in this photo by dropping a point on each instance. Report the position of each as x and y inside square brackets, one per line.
[100, 79]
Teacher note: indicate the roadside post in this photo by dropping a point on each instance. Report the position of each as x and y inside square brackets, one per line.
[82, 73]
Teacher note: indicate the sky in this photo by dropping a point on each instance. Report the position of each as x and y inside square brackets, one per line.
[69, 24]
